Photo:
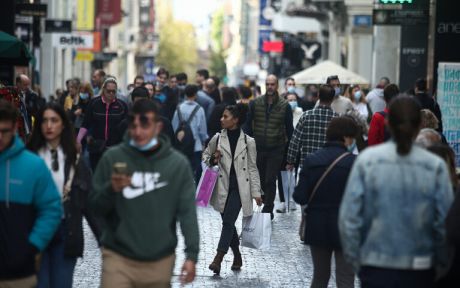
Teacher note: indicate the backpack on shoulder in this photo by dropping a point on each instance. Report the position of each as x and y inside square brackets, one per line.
[184, 140]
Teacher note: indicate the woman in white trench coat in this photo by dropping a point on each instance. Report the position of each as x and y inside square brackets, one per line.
[238, 183]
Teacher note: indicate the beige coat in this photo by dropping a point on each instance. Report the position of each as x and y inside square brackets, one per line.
[245, 168]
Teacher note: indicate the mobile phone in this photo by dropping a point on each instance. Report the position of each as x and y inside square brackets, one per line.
[120, 168]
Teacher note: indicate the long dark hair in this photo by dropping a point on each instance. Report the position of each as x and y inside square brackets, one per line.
[404, 119]
[68, 142]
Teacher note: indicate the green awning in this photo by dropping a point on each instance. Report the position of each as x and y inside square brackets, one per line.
[13, 51]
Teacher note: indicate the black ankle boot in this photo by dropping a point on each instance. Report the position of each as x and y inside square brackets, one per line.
[215, 265]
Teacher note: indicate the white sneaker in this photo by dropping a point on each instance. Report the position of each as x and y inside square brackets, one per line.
[292, 206]
[281, 208]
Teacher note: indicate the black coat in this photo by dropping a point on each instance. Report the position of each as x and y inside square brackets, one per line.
[214, 125]
[76, 208]
[322, 213]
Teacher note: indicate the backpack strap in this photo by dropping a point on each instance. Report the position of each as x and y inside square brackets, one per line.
[181, 119]
[195, 110]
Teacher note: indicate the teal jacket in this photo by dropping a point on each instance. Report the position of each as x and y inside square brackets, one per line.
[30, 210]
[140, 222]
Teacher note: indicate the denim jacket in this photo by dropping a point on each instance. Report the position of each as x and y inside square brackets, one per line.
[393, 211]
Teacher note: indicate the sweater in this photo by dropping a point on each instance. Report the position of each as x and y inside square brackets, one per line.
[140, 221]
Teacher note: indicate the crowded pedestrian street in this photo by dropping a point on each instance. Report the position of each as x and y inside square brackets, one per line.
[229, 143]
[286, 264]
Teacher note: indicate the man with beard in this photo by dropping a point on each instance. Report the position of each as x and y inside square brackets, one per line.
[270, 123]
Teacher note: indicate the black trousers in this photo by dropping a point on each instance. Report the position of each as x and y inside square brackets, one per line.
[269, 163]
[373, 277]
[229, 235]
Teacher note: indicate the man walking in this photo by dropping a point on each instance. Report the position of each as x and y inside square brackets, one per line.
[191, 114]
[141, 188]
[204, 97]
[310, 133]
[270, 123]
[340, 104]
[30, 205]
[103, 115]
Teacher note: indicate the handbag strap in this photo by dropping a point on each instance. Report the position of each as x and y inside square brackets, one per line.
[325, 174]
[68, 184]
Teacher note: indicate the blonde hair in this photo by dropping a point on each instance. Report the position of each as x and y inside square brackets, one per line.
[429, 120]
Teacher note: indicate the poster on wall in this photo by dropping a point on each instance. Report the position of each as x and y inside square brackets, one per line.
[448, 95]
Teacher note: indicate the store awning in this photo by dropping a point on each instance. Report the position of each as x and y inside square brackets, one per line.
[13, 51]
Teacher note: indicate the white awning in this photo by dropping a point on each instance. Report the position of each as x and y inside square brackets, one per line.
[318, 74]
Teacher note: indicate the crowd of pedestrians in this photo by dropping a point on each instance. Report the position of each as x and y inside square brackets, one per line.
[375, 178]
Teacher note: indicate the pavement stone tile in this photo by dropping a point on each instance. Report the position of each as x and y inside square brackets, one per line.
[286, 264]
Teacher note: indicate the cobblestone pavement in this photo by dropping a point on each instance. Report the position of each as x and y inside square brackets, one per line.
[286, 264]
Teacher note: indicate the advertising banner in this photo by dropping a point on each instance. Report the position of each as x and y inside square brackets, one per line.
[85, 15]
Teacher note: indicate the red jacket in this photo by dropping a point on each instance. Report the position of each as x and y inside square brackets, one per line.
[376, 133]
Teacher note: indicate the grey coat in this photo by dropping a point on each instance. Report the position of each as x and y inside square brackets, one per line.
[245, 167]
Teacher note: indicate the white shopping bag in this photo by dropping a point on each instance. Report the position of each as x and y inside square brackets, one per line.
[288, 180]
[257, 230]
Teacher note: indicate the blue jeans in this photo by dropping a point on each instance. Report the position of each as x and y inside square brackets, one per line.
[56, 270]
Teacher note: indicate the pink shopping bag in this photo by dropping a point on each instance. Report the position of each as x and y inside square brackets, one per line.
[206, 186]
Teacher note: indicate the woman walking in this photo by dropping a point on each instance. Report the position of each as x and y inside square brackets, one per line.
[391, 219]
[321, 186]
[53, 138]
[238, 183]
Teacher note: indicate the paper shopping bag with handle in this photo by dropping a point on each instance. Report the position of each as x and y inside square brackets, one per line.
[257, 230]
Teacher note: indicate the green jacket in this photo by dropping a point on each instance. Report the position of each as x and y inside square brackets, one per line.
[269, 129]
[140, 222]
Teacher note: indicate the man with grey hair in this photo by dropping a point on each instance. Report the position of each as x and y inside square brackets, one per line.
[427, 137]
[204, 97]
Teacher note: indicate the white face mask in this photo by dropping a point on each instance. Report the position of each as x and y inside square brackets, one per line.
[352, 146]
[293, 105]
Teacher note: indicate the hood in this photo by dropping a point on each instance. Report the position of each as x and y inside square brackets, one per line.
[165, 146]
[17, 147]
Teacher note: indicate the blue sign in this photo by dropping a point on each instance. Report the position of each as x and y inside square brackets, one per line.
[264, 35]
[262, 20]
[362, 20]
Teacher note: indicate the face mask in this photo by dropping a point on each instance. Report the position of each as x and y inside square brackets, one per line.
[352, 147]
[294, 105]
[161, 98]
[291, 89]
[337, 91]
[84, 96]
[145, 147]
[181, 87]
[357, 95]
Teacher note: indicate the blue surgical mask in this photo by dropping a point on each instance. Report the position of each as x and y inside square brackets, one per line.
[84, 96]
[181, 87]
[291, 89]
[337, 91]
[153, 142]
[357, 95]
[352, 147]
[161, 98]
[294, 105]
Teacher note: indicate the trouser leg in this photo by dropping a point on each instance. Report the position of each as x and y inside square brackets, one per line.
[321, 266]
[344, 275]
[229, 236]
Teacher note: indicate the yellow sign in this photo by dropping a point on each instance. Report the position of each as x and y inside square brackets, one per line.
[85, 15]
[87, 56]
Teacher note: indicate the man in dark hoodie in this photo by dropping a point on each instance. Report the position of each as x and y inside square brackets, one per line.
[142, 187]
[30, 205]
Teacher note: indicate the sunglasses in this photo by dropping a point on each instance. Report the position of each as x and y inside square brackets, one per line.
[110, 91]
[143, 119]
[54, 160]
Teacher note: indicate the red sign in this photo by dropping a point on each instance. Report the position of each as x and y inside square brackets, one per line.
[108, 12]
[273, 46]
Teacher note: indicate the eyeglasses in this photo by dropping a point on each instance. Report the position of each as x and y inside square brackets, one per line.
[54, 160]
[110, 91]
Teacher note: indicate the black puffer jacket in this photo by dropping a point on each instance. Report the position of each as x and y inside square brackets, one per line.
[322, 213]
